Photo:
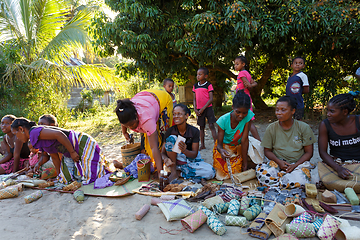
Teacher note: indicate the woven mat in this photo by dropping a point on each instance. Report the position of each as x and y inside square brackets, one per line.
[114, 191]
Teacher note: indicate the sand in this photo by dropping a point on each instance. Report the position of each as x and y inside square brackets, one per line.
[59, 216]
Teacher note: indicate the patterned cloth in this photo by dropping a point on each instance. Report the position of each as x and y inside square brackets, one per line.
[269, 174]
[9, 165]
[194, 168]
[220, 164]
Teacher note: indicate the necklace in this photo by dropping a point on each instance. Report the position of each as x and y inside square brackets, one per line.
[200, 85]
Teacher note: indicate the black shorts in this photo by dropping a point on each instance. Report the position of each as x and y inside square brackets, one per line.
[209, 114]
[299, 114]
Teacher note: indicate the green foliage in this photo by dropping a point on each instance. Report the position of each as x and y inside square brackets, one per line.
[174, 38]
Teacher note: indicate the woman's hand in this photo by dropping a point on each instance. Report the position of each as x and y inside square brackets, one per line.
[343, 172]
[75, 156]
[224, 154]
[127, 136]
[283, 165]
[291, 168]
[182, 146]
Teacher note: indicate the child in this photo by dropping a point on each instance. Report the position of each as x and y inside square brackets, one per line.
[168, 84]
[245, 82]
[34, 154]
[203, 97]
[297, 84]
[233, 141]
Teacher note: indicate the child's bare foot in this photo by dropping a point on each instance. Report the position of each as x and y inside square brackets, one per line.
[118, 164]
[202, 147]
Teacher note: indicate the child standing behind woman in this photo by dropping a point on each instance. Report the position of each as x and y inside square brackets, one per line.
[168, 85]
[16, 152]
[203, 97]
[245, 82]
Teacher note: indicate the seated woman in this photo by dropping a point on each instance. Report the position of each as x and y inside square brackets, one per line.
[288, 144]
[188, 161]
[233, 141]
[16, 153]
[83, 149]
[342, 132]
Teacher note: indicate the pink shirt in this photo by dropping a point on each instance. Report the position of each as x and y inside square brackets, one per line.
[34, 158]
[202, 94]
[240, 83]
[147, 108]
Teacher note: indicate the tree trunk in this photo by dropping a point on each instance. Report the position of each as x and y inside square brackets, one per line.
[218, 90]
[256, 92]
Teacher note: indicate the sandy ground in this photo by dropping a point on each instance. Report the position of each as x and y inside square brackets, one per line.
[59, 216]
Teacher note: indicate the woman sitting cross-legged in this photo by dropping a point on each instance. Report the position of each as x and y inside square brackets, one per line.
[288, 144]
[188, 161]
[341, 131]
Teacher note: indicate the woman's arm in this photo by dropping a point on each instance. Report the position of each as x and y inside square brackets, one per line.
[323, 147]
[308, 153]
[245, 146]
[154, 145]
[17, 150]
[223, 152]
[51, 134]
[125, 133]
[8, 155]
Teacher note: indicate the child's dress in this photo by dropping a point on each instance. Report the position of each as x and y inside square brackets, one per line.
[240, 85]
[34, 158]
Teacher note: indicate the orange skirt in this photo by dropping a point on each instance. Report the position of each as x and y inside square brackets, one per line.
[220, 164]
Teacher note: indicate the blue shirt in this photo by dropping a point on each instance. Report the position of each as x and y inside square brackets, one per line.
[295, 86]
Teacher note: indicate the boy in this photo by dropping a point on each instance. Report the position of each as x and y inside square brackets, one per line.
[203, 97]
[168, 84]
[297, 84]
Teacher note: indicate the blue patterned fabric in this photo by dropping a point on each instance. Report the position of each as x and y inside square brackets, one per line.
[194, 168]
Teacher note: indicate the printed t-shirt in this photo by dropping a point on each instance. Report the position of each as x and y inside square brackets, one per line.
[288, 144]
[202, 93]
[192, 135]
[233, 136]
[295, 86]
[147, 108]
[345, 147]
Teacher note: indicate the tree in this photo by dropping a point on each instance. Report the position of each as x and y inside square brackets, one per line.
[174, 38]
[46, 33]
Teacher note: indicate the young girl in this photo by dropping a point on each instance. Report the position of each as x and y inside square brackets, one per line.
[341, 131]
[288, 144]
[168, 85]
[83, 149]
[245, 82]
[34, 155]
[16, 152]
[232, 141]
[188, 161]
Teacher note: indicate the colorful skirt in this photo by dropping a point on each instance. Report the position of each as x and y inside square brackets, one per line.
[9, 165]
[220, 164]
[165, 119]
[191, 168]
[91, 165]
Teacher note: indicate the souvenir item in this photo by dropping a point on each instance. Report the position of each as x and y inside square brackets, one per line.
[234, 207]
[252, 212]
[276, 220]
[215, 225]
[34, 196]
[258, 229]
[175, 209]
[194, 221]
[235, 221]
[329, 228]
[301, 230]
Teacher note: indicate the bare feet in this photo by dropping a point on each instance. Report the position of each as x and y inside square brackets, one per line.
[202, 147]
[118, 164]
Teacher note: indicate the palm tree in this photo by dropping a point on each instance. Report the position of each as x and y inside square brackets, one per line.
[46, 37]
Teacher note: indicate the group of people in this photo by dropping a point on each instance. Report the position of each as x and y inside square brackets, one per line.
[288, 142]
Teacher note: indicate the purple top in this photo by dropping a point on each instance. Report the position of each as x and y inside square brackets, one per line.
[49, 146]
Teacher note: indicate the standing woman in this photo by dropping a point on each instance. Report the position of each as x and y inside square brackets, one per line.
[83, 149]
[148, 112]
[342, 132]
[233, 141]
[16, 153]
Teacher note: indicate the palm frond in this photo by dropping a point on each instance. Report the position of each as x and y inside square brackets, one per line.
[11, 26]
[72, 35]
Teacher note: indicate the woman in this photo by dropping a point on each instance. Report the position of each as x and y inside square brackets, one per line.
[288, 144]
[83, 149]
[342, 132]
[188, 160]
[148, 112]
[16, 153]
[233, 141]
